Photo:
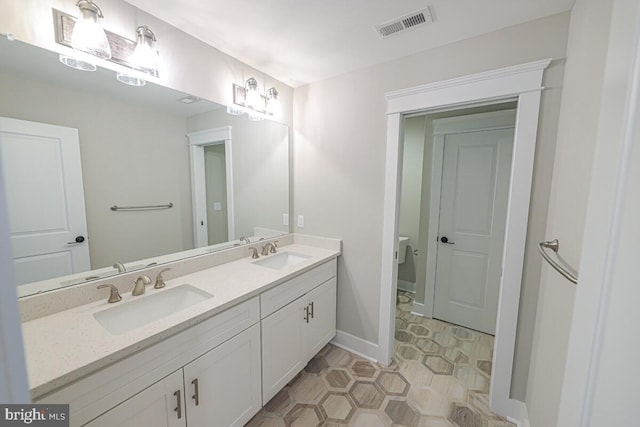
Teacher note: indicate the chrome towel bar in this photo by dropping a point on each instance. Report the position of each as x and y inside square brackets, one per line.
[141, 208]
[549, 251]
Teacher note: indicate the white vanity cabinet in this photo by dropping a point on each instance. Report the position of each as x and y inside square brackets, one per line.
[222, 353]
[219, 389]
[298, 319]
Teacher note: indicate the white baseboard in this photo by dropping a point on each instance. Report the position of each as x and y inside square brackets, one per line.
[356, 345]
[418, 309]
[524, 416]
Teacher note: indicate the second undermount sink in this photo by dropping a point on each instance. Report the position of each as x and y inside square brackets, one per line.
[120, 319]
[281, 260]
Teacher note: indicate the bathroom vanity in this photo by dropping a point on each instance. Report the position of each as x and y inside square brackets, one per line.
[242, 329]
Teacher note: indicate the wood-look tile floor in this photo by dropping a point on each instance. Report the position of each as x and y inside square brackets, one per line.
[440, 377]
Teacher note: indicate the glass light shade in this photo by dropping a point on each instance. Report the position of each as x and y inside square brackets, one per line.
[255, 117]
[234, 111]
[273, 103]
[88, 35]
[253, 98]
[145, 57]
[78, 60]
[130, 79]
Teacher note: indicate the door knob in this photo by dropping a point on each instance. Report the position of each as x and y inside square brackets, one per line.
[79, 239]
[445, 239]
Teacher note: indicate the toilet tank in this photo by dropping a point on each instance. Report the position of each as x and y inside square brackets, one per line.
[403, 242]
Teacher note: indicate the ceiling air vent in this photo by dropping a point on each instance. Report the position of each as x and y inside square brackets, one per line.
[403, 23]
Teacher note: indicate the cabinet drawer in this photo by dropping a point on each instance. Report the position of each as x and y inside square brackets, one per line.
[101, 391]
[283, 294]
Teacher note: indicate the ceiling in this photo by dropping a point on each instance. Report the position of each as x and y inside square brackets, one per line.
[303, 41]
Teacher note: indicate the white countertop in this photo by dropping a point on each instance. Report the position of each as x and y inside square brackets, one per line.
[68, 345]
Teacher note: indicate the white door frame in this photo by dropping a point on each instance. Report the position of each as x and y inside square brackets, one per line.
[494, 120]
[197, 142]
[521, 82]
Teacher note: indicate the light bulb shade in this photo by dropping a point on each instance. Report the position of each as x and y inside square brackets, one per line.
[255, 117]
[78, 60]
[145, 58]
[253, 98]
[88, 35]
[273, 103]
[130, 79]
[234, 111]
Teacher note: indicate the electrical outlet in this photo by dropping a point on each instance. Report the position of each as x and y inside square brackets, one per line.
[300, 221]
[285, 219]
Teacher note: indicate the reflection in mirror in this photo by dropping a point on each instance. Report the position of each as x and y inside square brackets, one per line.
[75, 144]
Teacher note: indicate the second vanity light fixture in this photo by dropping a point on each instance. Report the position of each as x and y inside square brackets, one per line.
[248, 99]
[89, 40]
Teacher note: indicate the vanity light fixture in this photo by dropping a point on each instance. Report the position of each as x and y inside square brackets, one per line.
[88, 38]
[273, 103]
[248, 99]
[144, 59]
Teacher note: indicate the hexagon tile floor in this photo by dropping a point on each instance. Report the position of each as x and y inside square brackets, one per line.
[440, 378]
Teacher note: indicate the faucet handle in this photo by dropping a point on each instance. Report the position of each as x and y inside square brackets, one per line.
[274, 246]
[160, 280]
[254, 254]
[114, 295]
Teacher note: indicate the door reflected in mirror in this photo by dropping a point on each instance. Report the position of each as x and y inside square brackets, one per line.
[134, 148]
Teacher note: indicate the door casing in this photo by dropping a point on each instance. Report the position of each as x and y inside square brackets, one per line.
[197, 142]
[523, 84]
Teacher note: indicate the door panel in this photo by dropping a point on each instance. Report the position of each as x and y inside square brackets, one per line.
[284, 347]
[473, 205]
[228, 383]
[45, 199]
[322, 312]
[155, 406]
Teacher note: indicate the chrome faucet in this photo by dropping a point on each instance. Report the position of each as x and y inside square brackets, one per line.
[120, 267]
[114, 295]
[269, 247]
[245, 239]
[160, 280]
[141, 282]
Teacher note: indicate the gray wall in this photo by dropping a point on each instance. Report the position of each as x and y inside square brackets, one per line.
[216, 191]
[411, 191]
[339, 160]
[130, 155]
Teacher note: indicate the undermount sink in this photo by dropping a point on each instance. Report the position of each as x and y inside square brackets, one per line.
[146, 309]
[281, 260]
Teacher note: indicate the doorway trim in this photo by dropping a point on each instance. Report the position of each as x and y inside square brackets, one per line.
[197, 141]
[522, 83]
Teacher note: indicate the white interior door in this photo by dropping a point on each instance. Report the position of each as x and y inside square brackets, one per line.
[45, 199]
[473, 206]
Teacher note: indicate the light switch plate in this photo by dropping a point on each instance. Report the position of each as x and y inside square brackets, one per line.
[285, 219]
[300, 221]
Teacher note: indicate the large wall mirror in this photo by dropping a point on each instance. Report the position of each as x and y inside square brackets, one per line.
[197, 178]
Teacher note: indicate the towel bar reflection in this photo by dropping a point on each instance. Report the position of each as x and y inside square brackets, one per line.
[141, 208]
[556, 261]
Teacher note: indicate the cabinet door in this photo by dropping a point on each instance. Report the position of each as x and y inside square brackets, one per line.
[222, 386]
[283, 347]
[322, 317]
[160, 405]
